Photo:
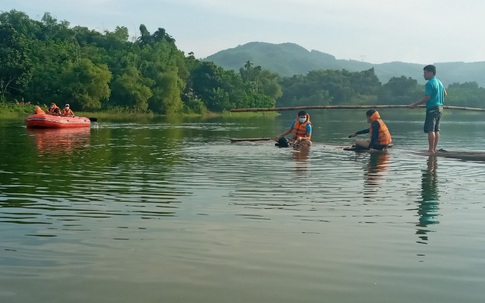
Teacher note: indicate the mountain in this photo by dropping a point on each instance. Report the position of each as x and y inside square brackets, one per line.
[288, 59]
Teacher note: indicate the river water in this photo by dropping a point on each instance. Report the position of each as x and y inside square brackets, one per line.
[169, 210]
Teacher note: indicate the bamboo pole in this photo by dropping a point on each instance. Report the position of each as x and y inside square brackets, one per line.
[250, 139]
[273, 109]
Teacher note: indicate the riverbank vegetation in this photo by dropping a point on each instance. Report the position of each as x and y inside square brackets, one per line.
[49, 61]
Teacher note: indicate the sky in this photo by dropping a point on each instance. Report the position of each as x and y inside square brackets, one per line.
[374, 31]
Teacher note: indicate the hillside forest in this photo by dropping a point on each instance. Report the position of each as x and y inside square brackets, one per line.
[49, 61]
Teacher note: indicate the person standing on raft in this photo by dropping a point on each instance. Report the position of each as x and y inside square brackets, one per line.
[434, 97]
[301, 129]
[380, 137]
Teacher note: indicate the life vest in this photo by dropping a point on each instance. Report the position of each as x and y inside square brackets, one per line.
[384, 137]
[54, 110]
[39, 111]
[67, 112]
[299, 129]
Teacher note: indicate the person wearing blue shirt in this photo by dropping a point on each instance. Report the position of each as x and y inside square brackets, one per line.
[434, 97]
[301, 128]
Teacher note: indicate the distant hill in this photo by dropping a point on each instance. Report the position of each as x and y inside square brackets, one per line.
[288, 59]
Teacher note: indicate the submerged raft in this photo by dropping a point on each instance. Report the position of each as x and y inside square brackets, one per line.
[361, 149]
[462, 155]
[250, 139]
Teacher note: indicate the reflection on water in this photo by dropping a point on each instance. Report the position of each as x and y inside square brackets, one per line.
[300, 156]
[428, 205]
[59, 141]
[375, 173]
[161, 212]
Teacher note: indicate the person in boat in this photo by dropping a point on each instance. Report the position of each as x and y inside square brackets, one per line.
[38, 110]
[380, 137]
[301, 128]
[434, 97]
[66, 111]
[54, 110]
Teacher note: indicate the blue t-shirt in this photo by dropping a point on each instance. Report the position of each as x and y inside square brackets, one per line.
[435, 89]
[308, 127]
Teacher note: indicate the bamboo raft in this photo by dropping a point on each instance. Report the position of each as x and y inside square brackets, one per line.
[461, 155]
[233, 140]
[272, 109]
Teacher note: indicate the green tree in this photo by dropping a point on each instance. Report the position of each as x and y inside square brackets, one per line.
[206, 78]
[402, 90]
[465, 94]
[87, 84]
[269, 84]
[167, 93]
[131, 90]
[15, 64]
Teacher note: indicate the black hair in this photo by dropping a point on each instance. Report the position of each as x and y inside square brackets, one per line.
[302, 113]
[430, 68]
[370, 112]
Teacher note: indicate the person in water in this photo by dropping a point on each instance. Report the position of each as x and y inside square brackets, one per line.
[301, 128]
[54, 110]
[380, 137]
[67, 111]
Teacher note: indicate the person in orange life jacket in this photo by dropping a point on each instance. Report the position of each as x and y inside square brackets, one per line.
[380, 137]
[39, 110]
[301, 129]
[54, 109]
[67, 111]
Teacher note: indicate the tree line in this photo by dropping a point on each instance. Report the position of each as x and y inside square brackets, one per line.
[49, 61]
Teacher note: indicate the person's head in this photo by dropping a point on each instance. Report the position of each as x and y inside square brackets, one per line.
[429, 71]
[53, 105]
[302, 115]
[369, 114]
[66, 106]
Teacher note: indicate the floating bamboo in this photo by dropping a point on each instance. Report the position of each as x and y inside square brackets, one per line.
[250, 139]
[462, 155]
[272, 109]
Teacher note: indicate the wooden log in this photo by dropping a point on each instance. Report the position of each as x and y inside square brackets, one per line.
[344, 107]
[250, 139]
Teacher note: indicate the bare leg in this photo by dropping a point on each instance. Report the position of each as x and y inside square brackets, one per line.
[431, 142]
[362, 144]
[436, 139]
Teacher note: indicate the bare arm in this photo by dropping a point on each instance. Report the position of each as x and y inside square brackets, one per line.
[420, 101]
[288, 131]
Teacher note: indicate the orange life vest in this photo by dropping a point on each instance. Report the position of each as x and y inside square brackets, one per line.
[39, 111]
[299, 129]
[384, 137]
[67, 112]
[54, 110]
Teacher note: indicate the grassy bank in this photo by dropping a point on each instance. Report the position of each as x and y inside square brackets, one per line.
[18, 111]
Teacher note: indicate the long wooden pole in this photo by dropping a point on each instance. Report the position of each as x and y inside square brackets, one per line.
[273, 109]
[250, 139]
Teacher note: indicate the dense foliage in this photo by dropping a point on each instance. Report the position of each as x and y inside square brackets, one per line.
[49, 61]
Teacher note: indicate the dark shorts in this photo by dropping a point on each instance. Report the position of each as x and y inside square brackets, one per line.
[433, 118]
